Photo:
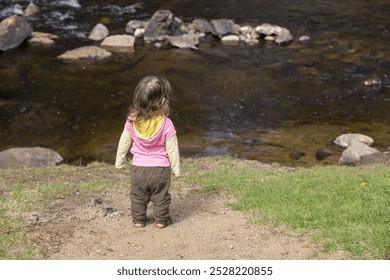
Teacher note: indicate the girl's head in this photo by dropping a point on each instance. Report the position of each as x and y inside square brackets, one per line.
[151, 98]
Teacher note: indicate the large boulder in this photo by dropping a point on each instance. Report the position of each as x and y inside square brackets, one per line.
[29, 157]
[89, 52]
[13, 31]
[344, 140]
[163, 23]
[354, 153]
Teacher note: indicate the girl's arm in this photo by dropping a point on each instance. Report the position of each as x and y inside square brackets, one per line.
[173, 153]
[123, 148]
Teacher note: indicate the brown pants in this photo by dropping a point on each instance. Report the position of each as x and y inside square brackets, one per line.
[150, 184]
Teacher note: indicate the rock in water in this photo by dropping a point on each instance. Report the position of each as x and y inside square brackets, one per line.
[345, 140]
[354, 152]
[185, 41]
[162, 23]
[31, 10]
[99, 32]
[222, 27]
[13, 31]
[89, 52]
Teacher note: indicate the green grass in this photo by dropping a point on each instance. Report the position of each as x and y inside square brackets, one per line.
[345, 208]
[348, 207]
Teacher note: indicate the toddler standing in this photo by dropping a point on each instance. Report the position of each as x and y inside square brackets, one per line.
[151, 138]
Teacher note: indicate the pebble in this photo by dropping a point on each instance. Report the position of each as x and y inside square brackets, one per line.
[304, 39]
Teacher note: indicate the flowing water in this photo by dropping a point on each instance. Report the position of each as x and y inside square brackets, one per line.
[260, 102]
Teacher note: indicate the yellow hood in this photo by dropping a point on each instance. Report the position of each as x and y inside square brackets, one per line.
[147, 128]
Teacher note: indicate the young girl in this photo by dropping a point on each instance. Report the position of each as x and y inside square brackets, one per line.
[152, 138]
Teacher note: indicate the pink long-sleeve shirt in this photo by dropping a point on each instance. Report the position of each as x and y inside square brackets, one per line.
[151, 151]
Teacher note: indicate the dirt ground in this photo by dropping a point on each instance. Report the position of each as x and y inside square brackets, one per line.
[99, 227]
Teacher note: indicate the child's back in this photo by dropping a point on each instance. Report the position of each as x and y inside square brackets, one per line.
[151, 137]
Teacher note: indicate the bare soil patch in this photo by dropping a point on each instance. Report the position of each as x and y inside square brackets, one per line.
[86, 226]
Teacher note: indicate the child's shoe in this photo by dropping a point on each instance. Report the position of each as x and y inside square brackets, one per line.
[139, 225]
[160, 226]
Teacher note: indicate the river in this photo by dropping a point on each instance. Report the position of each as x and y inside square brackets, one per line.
[263, 102]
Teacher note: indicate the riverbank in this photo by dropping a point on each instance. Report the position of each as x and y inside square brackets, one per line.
[242, 209]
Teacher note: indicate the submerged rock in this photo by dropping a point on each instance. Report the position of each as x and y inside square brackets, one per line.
[89, 52]
[119, 41]
[13, 31]
[323, 153]
[295, 155]
[29, 157]
[184, 41]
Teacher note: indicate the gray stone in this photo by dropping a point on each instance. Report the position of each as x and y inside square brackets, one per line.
[89, 52]
[133, 25]
[374, 158]
[354, 152]
[163, 23]
[283, 37]
[31, 10]
[42, 39]
[201, 25]
[139, 32]
[29, 157]
[184, 41]
[281, 34]
[99, 32]
[344, 140]
[222, 27]
[267, 29]
[119, 41]
[295, 155]
[323, 153]
[13, 31]
[230, 39]
[304, 39]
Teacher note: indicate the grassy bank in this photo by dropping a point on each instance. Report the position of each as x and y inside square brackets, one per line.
[347, 207]
[344, 208]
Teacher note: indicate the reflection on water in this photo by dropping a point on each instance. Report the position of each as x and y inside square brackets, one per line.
[258, 102]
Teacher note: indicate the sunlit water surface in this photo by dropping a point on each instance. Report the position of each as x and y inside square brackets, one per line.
[261, 102]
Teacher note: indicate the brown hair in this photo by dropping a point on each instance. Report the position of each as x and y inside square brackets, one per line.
[151, 98]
